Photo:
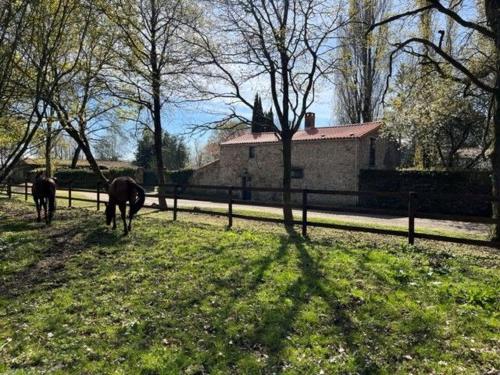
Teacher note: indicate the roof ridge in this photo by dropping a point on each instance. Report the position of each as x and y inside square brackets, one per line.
[347, 125]
[319, 127]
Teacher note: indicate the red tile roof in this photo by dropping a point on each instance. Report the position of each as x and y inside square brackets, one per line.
[314, 134]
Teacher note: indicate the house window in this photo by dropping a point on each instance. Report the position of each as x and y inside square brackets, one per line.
[371, 162]
[251, 152]
[297, 173]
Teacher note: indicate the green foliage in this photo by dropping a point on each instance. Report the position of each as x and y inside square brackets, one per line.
[86, 178]
[261, 121]
[435, 117]
[192, 298]
[174, 151]
[180, 177]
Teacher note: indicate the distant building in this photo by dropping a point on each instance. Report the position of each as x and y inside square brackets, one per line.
[322, 158]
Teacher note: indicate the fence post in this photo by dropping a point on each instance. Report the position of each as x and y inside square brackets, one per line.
[230, 208]
[411, 217]
[9, 190]
[25, 189]
[304, 212]
[69, 195]
[98, 196]
[175, 202]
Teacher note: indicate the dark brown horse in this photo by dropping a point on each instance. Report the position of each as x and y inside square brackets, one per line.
[120, 191]
[44, 193]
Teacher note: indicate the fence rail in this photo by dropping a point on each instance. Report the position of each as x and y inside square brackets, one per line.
[412, 212]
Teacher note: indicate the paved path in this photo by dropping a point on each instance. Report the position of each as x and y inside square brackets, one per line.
[396, 221]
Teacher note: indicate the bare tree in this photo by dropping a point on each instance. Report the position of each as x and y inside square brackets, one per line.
[486, 78]
[285, 46]
[153, 59]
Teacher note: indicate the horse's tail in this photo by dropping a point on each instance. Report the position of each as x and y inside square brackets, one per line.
[139, 202]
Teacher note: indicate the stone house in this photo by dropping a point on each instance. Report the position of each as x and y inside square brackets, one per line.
[328, 158]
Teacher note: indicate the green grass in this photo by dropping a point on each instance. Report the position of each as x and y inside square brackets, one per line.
[193, 297]
[360, 223]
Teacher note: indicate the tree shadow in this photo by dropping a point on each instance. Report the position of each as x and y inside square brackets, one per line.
[277, 323]
[47, 272]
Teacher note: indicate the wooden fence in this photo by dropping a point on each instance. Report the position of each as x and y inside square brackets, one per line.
[230, 198]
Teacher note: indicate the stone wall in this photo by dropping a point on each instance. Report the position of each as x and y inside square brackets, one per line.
[331, 164]
[207, 174]
[326, 164]
[386, 153]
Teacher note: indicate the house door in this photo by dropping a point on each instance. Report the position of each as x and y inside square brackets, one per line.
[245, 183]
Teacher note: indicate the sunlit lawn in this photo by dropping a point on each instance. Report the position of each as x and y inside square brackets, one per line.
[193, 297]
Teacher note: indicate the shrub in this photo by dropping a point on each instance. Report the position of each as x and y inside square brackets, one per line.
[87, 179]
[428, 182]
[179, 177]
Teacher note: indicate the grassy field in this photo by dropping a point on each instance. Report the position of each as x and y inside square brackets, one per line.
[193, 297]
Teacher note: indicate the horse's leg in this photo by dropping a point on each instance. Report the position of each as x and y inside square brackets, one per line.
[130, 218]
[44, 204]
[114, 216]
[123, 212]
[38, 209]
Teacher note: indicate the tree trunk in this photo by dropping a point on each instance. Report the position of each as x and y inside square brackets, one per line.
[48, 148]
[76, 156]
[493, 14]
[83, 143]
[13, 159]
[495, 163]
[287, 173]
[5, 171]
[155, 86]
[160, 170]
[92, 162]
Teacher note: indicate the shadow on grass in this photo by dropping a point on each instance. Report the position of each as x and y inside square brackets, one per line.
[7, 225]
[277, 322]
[56, 247]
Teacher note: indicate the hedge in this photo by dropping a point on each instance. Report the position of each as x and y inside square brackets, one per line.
[86, 178]
[179, 177]
[425, 182]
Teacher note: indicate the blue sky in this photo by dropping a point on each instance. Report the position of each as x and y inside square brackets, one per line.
[177, 120]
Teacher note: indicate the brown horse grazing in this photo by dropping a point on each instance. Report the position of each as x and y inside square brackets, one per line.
[44, 192]
[120, 191]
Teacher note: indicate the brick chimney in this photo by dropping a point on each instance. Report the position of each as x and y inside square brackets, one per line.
[310, 120]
